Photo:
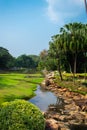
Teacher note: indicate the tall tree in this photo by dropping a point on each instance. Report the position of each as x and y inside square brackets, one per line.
[55, 52]
[74, 40]
[85, 49]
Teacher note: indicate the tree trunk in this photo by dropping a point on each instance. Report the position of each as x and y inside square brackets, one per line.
[70, 68]
[74, 71]
[75, 63]
[85, 68]
[85, 74]
[60, 74]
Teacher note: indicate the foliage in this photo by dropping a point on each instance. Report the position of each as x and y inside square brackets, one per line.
[24, 61]
[55, 52]
[43, 60]
[35, 59]
[6, 59]
[27, 61]
[20, 115]
[74, 41]
[51, 64]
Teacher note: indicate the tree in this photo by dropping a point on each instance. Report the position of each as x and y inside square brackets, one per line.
[43, 54]
[55, 52]
[24, 61]
[6, 59]
[35, 59]
[74, 40]
[43, 59]
[85, 49]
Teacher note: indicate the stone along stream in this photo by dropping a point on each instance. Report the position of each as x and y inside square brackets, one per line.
[64, 114]
[44, 99]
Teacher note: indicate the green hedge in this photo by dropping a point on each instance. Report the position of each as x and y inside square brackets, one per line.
[20, 115]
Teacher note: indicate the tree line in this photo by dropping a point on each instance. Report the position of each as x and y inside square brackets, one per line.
[67, 52]
[8, 62]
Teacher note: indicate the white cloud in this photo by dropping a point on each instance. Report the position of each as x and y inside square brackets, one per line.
[50, 10]
[59, 10]
[78, 2]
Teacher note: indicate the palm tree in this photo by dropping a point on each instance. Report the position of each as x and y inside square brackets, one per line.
[85, 5]
[73, 41]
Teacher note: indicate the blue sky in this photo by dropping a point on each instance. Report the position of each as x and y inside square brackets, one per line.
[26, 26]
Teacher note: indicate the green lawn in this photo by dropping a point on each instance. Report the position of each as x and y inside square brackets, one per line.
[20, 86]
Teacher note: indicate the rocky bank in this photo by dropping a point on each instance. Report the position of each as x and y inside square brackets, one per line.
[70, 111]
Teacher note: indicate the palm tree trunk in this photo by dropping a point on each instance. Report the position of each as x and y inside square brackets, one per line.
[60, 74]
[70, 68]
[74, 72]
[75, 63]
[85, 68]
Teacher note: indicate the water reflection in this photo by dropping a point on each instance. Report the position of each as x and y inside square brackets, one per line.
[58, 106]
[44, 99]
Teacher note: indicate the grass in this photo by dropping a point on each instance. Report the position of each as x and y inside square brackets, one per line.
[18, 86]
[79, 86]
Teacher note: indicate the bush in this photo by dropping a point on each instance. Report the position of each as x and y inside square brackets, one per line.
[20, 115]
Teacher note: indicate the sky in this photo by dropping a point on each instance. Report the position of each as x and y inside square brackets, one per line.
[26, 26]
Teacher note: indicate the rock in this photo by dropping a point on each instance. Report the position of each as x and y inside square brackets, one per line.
[86, 96]
[51, 124]
[47, 82]
[76, 98]
[50, 75]
[84, 108]
[64, 89]
[68, 94]
[56, 116]
[43, 83]
[82, 103]
[62, 117]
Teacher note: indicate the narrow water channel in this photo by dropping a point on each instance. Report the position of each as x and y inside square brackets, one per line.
[44, 98]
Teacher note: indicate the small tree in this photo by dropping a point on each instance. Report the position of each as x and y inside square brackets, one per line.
[55, 52]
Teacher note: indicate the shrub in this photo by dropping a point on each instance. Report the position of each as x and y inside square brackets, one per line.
[20, 115]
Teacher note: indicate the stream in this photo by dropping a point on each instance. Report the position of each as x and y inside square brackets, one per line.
[44, 99]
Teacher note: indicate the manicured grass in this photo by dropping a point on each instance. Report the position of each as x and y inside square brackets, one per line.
[20, 86]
